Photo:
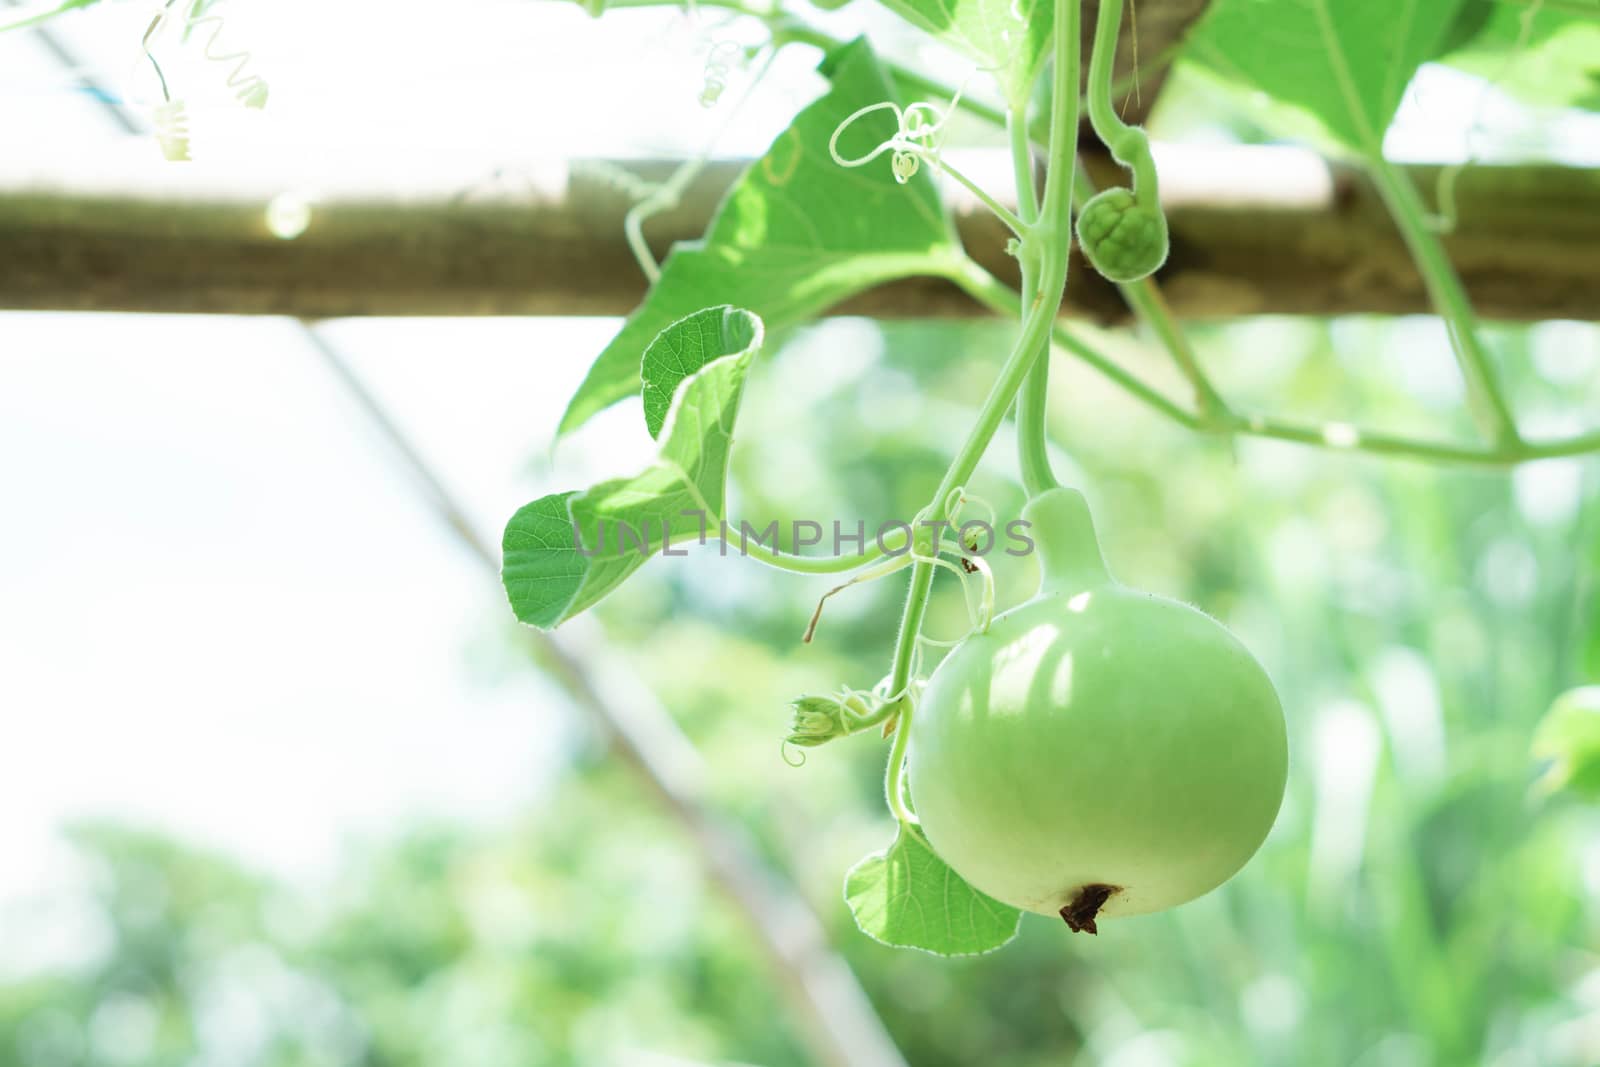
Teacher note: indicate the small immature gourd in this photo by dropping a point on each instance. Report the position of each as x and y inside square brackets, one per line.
[1099, 751]
[1122, 238]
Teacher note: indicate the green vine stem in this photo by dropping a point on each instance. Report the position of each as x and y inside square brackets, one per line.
[994, 294]
[1013, 223]
[1344, 437]
[1022, 165]
[1449, 298]
[1033, 448]
[895, 542]
[1144, 298]
[1128, 144]
[1049, 239]
[999, 297]
[893, 776]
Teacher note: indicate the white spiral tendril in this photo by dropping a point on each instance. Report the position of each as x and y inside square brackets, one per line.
[919, 134]
[250, 89]
[170, 118]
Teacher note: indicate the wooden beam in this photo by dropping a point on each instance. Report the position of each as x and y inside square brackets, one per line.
[1255, 231]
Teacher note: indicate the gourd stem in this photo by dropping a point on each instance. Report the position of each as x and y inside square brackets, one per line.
[1051, 236]
[1108, 125]
[1032, 445]
[1128, 144]
[1063, 534]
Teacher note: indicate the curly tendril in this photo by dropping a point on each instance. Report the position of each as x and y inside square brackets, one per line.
[958, 500]
[249, 89]
[906, 158]
[918, 136]
[1122, 232]
[918, 139]
[169, 117]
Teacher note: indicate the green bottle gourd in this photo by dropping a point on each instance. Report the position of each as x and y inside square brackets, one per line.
[1099, 751]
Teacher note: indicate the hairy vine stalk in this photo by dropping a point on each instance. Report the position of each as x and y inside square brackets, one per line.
[1490, 405]
[1033, 446]
[1048, 239]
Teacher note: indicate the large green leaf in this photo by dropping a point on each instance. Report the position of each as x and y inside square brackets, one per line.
[1007, 37]
[1345, 63]
[796, 234]
[623, 522]
[908, 897]
[1544, 55]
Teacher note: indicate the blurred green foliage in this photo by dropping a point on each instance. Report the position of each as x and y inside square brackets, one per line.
[1568, 741]
[1420, 903]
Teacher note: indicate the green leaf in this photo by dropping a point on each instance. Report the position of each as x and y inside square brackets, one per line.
[1345, 63]
[1011, 38]
[547, 578]
[797, 233]
[1568, 739]
[907, 897]
[1548, 56]
[689, 345]
[542, 571]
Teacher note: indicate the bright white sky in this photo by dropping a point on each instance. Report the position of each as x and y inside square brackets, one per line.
[223, 612]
